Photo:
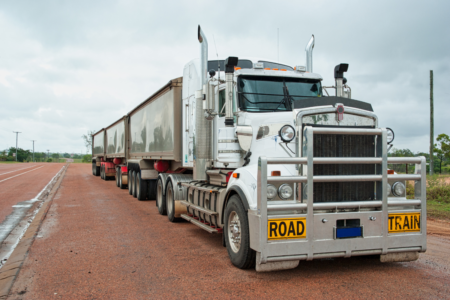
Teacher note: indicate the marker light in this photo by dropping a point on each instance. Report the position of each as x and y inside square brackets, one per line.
[300, 68]
[287, 133]
[390, 135]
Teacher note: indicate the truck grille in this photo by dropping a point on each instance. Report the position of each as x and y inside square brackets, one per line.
[331, 145]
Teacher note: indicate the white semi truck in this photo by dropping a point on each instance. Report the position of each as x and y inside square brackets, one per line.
[260, 152]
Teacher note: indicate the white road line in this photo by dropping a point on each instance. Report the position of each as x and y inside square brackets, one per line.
[17, 170]
[20, 174]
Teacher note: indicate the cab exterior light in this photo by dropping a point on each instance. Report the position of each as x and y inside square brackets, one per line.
[258, 65]
[300, 68]
[285, 191]
[398, 189]
[390, 135]
[271, 191]
[287, 133]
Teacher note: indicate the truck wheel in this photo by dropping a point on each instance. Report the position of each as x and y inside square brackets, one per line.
[237, 234]
[170, 201]
[93, 168]
[121, 185]
[102, 173]
[130, 182]
[160, 199]
[151, 189]
[141, 187]
[118, 177]
[97, 170]
[133, 183]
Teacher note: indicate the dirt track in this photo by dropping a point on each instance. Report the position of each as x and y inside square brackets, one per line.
[98, 242]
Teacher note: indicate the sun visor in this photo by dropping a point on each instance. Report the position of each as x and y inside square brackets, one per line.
[321, 101]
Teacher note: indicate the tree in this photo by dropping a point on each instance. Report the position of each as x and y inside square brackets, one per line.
[55, 156]
[66, 155]
[87, 138]
[21, 154]
[442, 149]
[87, 158]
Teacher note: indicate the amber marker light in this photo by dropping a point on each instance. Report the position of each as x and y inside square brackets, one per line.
[276, 173]
[266, 68]
[391, 172]
[275, 69]
[283, 70]
[235, 175]
[237, 68]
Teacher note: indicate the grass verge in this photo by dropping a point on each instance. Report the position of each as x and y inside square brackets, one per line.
[438, 196]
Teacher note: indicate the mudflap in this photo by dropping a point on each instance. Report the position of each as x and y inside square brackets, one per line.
[399, 257]
[274, 266]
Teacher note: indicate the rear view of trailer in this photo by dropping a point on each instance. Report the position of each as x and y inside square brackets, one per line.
[98, 151]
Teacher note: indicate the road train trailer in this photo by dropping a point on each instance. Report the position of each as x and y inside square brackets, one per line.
[259, 152]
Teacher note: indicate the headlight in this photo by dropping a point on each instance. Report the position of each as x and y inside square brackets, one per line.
[388, 189]
[285, 191]
[390, 135]
[287, 133]
[271, 191]
[398, 189]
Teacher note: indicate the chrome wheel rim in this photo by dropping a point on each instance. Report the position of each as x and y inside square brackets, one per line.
[234, 232]
[169, 200]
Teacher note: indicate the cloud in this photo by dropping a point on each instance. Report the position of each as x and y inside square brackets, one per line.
[68, 67]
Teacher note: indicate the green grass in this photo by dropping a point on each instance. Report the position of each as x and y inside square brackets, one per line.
[10, 162]
[438, 196]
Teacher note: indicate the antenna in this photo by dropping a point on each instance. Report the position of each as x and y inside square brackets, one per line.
[218, 61]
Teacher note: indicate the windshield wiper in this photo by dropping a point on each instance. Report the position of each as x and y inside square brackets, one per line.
[288, 103]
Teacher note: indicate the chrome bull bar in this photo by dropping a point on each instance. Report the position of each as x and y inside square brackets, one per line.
[271, 251]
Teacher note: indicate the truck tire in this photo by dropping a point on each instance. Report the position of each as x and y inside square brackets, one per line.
[161, 199]
[121, 185]
[170, 201]
[141, 187]
[130, 182]
[93, 168]
[151, 189]
[102, 173]
[133, 183]
[118, 177]
[239, 251]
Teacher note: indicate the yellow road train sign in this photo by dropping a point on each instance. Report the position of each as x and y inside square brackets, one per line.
[281, 229]
[406, 222]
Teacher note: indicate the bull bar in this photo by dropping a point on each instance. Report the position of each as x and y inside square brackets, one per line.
[309, 248]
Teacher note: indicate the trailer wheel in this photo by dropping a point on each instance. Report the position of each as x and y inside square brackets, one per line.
[141, 187]
[118, 177]
[121, 185]
[96, 170]
[151, 189]
[133, 184]
[170, 201]
[130, 182]
[93, 168]
[161, 199]
[237, 234]
[102, 173]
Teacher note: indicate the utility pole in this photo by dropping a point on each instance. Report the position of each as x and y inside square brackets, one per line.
[17, 140]
[33, 148]
[48, 154]
[431, 124]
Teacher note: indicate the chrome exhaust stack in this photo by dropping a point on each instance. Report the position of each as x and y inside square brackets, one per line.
[309, 55]
[202, 149]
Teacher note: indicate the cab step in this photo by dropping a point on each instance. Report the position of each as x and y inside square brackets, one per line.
[201, 224]
[198, 208]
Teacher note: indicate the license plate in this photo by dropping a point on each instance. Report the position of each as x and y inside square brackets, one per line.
[407, 222]
[282, 229]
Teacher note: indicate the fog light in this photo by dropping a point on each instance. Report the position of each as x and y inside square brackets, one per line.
[271, 191]
[287, 133]
[285, 191]
[388, 189]
[398, 189]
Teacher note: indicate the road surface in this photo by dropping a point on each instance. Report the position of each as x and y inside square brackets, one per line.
[98, 242]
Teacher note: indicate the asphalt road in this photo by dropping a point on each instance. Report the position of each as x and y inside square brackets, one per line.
[98, 242]
[20, 183]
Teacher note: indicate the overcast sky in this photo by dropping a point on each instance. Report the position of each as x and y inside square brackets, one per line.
[67, 67]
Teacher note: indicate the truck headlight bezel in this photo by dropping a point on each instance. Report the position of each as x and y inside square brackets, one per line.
[390, 131]
[285, 135]
[398, 185]
[285, 188]
[271, 191]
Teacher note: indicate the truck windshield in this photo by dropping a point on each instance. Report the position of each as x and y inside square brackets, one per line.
[266, 94]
